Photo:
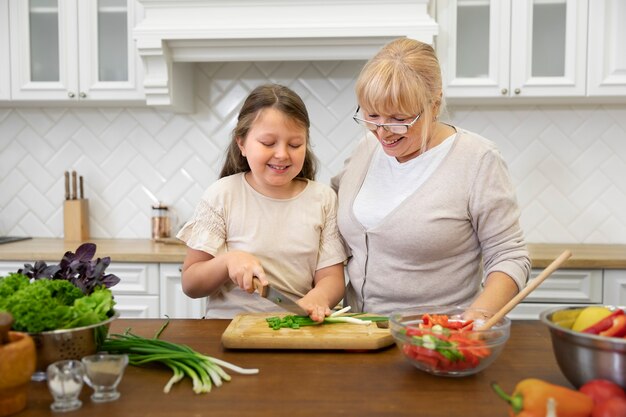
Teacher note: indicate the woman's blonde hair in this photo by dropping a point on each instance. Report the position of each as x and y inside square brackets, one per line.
[265, 96]
[403, 77]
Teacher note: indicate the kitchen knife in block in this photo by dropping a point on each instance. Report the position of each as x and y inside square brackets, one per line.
[76, 220]
[278, 298]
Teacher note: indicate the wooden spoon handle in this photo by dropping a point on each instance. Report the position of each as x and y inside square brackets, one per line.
[527, 290]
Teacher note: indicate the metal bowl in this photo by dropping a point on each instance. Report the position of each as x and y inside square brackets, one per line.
[583, 357]
[56, 345]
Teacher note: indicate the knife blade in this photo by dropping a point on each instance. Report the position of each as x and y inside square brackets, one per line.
[278, 298]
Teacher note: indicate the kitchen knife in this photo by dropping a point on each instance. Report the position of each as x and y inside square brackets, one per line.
[67, 185]
[74, 188]
[278, 298]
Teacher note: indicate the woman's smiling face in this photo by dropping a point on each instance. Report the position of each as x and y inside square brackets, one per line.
[401, 146]
[275, 148]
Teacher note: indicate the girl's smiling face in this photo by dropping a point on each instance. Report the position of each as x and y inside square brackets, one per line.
[275, 148]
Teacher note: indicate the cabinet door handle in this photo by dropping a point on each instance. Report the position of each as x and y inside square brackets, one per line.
[71, 94]
[82, 95]
[504, 91]
[517, 91]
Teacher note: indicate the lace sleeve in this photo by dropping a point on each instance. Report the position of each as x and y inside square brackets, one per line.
[206, 231]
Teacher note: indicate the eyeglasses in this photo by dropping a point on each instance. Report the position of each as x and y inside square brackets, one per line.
[397, 128]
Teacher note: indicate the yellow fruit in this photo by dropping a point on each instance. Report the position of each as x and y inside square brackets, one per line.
[566, 318]
[590, 316]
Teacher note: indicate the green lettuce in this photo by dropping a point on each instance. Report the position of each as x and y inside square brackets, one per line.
[52, 304]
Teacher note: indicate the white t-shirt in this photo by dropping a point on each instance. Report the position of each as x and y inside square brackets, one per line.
[292, 238]
[389, 182]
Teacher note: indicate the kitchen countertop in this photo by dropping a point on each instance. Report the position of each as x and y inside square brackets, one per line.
[314, 383]
[584, 256]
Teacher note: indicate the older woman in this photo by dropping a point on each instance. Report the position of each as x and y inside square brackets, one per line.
[427, 209]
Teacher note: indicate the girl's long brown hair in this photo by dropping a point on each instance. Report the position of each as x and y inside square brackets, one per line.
[281, 98]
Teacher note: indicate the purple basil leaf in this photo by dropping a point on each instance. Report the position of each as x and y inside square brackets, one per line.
[79, 268]
[110, 280]
[85, 252]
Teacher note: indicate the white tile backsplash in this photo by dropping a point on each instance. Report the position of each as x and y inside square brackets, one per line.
[568, 163]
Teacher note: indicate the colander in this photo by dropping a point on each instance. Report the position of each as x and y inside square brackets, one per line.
[56, 345]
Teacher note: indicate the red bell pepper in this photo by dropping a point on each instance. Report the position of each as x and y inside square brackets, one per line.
[618, 327]
[604, 324]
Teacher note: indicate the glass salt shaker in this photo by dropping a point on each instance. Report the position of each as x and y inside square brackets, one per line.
[65, 381]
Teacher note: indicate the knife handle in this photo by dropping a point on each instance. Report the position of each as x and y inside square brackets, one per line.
[260, 288]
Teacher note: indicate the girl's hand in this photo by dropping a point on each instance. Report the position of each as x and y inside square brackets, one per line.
[316, 306]
[242, 267]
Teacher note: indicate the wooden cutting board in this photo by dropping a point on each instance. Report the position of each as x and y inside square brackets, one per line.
[251, 331]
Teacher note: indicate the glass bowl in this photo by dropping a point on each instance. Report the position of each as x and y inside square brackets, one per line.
[453, 353]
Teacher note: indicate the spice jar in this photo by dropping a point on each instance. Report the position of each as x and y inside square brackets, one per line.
[160, 221]
[17, 364]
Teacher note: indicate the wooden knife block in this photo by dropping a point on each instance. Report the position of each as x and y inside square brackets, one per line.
[76, 220]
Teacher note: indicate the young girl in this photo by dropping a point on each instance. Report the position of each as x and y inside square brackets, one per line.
[266, 217]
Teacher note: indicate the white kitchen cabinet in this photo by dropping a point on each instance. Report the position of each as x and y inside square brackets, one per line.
[137, 293]
[74, 50]
[7, 267]
[174, 303]
[615, 287]
[607, 48]
[5, 69]
[506, 48]
[563, 287]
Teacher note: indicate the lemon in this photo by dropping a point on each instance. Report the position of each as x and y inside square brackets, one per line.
[590, 316]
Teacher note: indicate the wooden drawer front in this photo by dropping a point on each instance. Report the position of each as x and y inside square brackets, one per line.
[135, 278]
[137, 306]
[568, 286]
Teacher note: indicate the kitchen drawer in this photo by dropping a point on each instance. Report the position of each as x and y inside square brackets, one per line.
[569, 286]
[530, 311]
[135, 278]
[137, 306]
[7, 267]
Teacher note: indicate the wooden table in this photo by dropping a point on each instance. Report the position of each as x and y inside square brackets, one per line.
[314, 383]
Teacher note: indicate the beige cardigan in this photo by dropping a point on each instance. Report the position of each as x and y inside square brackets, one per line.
[434, 247]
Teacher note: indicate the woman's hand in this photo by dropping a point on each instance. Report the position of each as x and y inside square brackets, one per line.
[242, 267]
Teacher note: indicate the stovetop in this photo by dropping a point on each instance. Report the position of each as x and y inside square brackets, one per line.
[9, 239]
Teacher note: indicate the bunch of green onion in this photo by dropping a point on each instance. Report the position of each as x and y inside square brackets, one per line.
[204, 371]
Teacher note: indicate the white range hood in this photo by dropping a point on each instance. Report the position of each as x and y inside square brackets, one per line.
[176, 33]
